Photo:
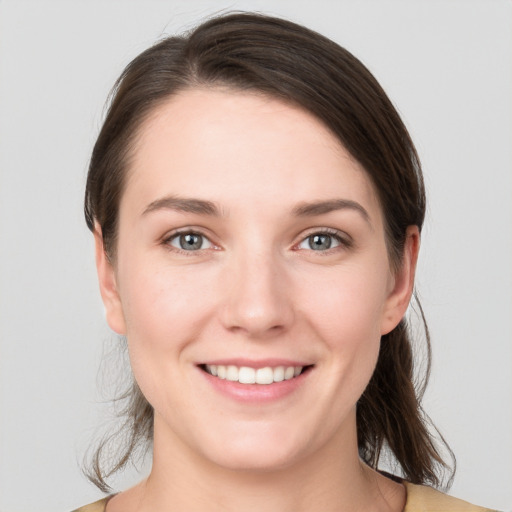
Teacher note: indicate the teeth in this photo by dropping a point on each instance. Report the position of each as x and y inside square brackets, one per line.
[289, 373]
[279, 374]
[265, 375]
[246, 375]
[232, 373]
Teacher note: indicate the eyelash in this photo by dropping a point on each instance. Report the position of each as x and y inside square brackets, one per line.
[345, 242]
[176, 234]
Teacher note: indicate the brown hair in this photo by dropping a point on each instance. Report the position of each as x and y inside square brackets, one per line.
[252, 52]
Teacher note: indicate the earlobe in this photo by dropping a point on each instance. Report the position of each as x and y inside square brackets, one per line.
[403, 282]
[108, 286]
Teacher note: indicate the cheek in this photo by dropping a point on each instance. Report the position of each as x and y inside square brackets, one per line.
[347, 302]
[165, 305]
[166, 310]
[346, 313]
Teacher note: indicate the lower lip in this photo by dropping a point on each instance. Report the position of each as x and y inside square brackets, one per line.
[256, 393]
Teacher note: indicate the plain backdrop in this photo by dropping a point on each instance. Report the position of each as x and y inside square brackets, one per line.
[447, 65]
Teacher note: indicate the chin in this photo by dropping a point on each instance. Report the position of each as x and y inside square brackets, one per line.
[258, 460]
[263, 451]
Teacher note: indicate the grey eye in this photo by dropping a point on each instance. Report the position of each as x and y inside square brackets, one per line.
[190, 242]
[320, 242]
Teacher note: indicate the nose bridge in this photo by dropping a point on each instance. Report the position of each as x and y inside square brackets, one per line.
[257, 296]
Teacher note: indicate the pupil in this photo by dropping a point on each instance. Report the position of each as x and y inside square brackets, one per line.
[320, 242]
[190, 241]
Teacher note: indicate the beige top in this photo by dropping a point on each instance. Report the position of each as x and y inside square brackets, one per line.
[420, 498]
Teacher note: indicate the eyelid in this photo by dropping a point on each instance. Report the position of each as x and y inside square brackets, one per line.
[342, 237]
[168, 237]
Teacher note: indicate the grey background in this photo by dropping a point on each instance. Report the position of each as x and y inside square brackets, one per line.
[446, 65]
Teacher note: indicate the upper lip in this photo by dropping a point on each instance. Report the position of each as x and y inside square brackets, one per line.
[255, 363]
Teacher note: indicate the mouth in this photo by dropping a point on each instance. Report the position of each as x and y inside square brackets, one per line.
[247, 375]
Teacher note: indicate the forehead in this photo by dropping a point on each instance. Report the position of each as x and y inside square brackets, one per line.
[238, 147]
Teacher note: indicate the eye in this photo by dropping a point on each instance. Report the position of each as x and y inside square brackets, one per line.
[189, 241]
[322, 241]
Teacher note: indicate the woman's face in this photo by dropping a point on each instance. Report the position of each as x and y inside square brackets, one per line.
[251, 245]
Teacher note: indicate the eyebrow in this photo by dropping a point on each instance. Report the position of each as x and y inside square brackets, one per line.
[187, 205]
[203, 207]
[323, 207]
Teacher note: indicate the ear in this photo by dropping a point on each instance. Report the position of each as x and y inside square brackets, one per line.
[108, 286]
[402, 283]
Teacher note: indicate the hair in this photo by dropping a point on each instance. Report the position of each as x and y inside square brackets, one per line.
[280, 59]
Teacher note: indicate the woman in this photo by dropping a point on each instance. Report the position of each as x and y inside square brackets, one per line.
[257, 204]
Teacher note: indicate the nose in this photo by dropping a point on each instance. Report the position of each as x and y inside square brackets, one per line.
[257, 301]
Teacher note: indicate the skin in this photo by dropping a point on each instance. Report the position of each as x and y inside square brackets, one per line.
[255, 289]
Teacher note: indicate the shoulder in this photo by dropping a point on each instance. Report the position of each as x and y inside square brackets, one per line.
[421, 498]
[97, 506]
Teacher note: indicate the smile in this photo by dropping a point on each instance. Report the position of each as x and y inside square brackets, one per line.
[247, 375]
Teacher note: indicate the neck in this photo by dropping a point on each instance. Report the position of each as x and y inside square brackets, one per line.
[331, 479]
